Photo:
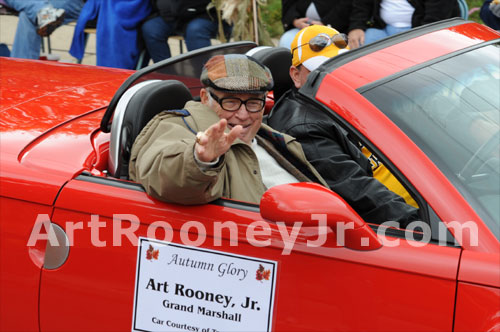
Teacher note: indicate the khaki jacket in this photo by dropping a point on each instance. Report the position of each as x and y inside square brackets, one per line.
[162, 160]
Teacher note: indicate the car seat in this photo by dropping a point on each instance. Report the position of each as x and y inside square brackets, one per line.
[278, 60]
[136, 107]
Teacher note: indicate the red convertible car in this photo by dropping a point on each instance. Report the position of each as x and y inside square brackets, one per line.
[83, 248]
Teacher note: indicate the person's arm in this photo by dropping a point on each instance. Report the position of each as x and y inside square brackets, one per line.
[335, 14]
[437, 10]
[289, 13]
[361, 13]
[325, 146]
[163, 161]
[356, 38]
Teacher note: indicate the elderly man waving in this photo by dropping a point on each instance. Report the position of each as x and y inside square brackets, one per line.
[219, 147]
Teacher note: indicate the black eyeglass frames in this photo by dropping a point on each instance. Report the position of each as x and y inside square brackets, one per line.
[232, 104]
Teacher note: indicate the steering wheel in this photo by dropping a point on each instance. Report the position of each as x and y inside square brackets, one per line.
[483, 159]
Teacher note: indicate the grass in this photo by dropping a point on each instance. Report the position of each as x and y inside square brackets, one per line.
[271, 15]
[472, 4]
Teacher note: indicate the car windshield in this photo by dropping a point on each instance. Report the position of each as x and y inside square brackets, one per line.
[450, 109]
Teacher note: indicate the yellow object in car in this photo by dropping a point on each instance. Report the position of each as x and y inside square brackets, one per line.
[381, 173]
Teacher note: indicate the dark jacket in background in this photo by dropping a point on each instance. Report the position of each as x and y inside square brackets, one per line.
[333, 12]
[488, 17]
[338, 160]
[183, 11]
[366, 13]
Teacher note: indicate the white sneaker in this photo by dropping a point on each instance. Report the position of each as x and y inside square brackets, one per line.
[49, 18]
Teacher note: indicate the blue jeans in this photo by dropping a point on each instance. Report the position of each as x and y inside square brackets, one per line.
[372, 34]
[156, 31]
[26, 41]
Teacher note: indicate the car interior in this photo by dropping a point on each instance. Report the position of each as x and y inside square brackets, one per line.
[165, 87]
[278, 60]
[134, 110]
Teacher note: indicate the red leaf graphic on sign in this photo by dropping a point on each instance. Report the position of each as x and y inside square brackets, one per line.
[151, 253]
[262, 273]
[156, 253]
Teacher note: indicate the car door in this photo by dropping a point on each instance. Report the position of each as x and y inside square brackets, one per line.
[397, 287]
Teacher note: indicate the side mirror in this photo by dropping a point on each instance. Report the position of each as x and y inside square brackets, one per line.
[294, 202]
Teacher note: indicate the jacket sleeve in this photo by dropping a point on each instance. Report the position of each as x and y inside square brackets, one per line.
[289, 12]
[163, 162]
[336, 14]
[437, 10]
[361, 13]
[325, 147]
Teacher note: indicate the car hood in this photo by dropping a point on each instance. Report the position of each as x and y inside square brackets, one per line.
[44, 107]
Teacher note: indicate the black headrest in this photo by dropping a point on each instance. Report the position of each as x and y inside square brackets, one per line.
[143, 104]
[151, 100]
[278, 60]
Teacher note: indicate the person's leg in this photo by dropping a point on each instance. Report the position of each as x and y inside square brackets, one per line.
[392, 30]
[287, 38]
[155, 33]
[198, 33]
[26, 41]
[29, 7]
[72, 8]
[372, 34]
[4, 50]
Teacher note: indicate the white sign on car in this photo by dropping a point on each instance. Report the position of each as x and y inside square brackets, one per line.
[181, 288]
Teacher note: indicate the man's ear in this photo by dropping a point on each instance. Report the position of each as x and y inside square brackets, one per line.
[295, 75]
[204, 96]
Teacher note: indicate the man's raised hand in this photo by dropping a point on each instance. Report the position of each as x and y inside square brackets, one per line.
[214, 142]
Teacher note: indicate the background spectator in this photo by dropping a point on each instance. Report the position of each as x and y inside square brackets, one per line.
[298, 14]
[372, 20]
[117, 27]
[189, 18]
[490, 14]
[39, 17]
[4, 50]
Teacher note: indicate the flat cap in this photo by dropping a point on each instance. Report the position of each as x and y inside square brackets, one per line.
[236, 73]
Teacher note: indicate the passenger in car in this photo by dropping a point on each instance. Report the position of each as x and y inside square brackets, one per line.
[327, 146]
[219, 147]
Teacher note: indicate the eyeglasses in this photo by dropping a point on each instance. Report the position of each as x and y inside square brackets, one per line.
[319, 42]
[232, 104]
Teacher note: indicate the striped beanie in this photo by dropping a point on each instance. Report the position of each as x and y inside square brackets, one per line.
[236, 73]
